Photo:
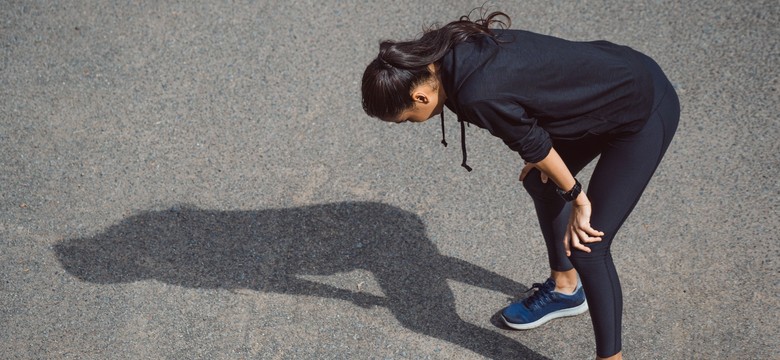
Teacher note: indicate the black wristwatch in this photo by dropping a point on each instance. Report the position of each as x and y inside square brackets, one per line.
[571, 194]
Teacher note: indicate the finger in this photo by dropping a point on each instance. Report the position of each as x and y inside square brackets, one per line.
[583, 237]
[581, 247]
[592, 232]
[544, 178]
[524, 172]
[566, 244]
[589, 231]
[588, 236]
[576, 243]
[590, 239]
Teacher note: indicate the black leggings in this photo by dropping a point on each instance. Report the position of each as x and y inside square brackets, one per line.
[626, 164]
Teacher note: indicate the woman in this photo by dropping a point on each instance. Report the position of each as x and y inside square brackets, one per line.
[559, 104]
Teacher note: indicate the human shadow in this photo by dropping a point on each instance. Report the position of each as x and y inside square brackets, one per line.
[269, 250]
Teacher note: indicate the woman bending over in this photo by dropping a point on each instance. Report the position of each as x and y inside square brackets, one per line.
[559, 104]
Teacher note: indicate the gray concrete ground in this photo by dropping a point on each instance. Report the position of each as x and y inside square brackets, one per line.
[197, 180]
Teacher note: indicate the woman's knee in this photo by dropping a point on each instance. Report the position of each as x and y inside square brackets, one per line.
[599, 254]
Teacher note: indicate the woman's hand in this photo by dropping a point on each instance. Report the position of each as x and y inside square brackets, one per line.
[579, 231]
[528, 167]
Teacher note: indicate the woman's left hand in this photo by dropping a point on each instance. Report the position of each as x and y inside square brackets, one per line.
[579, 231]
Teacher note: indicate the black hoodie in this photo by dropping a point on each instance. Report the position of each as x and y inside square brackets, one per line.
[527, 88]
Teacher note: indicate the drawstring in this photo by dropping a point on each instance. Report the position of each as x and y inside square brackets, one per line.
[463, 144]
[462, 140]
[443, 139]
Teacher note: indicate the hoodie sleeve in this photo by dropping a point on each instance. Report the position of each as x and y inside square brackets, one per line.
[510, 122]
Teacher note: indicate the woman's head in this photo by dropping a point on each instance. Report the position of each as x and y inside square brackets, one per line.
[387, 87]
[390, 82]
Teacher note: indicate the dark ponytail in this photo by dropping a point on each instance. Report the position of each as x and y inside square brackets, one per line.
[401, 66]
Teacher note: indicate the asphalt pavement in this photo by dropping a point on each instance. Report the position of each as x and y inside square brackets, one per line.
[197, 179]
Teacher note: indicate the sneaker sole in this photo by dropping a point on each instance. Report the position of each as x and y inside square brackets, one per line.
[579, 309]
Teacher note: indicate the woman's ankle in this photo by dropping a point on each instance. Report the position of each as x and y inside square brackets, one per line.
[618, 356]
[565, 281]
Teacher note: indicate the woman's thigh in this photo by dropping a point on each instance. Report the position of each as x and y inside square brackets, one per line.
[625, 167]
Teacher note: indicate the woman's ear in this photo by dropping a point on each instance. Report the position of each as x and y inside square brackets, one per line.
[421, 97]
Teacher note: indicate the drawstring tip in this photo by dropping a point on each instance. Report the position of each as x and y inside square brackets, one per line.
[444, 143]
[468, 168]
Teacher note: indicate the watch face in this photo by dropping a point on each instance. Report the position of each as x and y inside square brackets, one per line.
[575, 192]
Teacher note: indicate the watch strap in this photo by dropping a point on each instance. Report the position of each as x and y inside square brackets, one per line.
[572, 194]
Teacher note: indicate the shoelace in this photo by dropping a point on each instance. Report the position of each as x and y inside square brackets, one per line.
[541, 296]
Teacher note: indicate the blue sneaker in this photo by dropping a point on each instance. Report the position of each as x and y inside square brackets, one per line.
[544, 305]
